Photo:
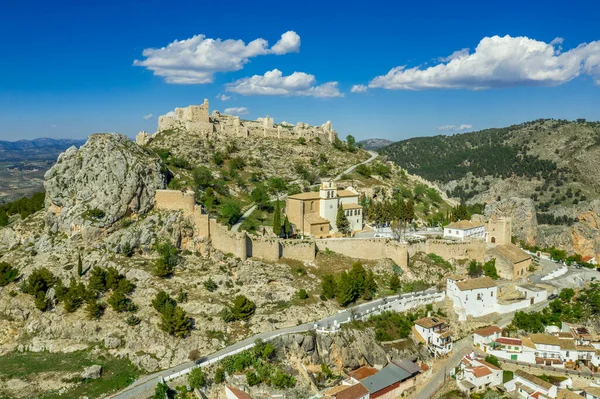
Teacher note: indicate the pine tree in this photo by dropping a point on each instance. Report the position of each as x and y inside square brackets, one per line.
[394, 283]
[328, 286]
[277, 219]
[79, 266]
[341, 221]
[345, 290]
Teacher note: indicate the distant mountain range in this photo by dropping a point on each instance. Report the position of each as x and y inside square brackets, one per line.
[38, 149]
[374, 144]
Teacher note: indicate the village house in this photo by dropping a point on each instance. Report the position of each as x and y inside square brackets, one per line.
[235, 393]
[510, 345]
[472, 297]
[589, 259]
[529, 386]
[477, 375]
[511, 261]
[435, 333]
[485, 336]
[394, 380]
[464, 229]
[591, 393]
[356, 391]
[546, 349]
[315, 213]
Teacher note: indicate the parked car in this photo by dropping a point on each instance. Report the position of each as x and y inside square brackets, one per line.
[552, 296]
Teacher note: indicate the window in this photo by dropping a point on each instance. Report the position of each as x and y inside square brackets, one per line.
[479, 297]
[492, 293]
[312, 205]
[321, 228]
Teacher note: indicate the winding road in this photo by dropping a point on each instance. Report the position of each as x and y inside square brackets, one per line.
[236, 226]
[145, 386]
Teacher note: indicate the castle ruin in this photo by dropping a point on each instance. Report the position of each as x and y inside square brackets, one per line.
[196, 119]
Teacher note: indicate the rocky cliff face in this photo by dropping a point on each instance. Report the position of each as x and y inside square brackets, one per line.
[106, 179]
[522, 213]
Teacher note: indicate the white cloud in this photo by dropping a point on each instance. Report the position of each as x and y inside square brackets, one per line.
[499, 62]
[197, 59]
[358, 89]
[289, 43]
[149, 116]
[457, 54]
[455, 127]
[223, 97]
[273, 83]
[236, 111]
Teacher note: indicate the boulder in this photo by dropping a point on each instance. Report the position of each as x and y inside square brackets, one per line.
[143, 138]
[112, 342]
[92, 373]
[101, 182]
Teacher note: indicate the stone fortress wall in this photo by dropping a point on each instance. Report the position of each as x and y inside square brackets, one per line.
[244, 246]
[196, 120]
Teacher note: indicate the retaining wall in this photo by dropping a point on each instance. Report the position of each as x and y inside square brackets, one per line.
[300, 250]
[367, 248]
[471, 249]
[265, 248]
[175, 200]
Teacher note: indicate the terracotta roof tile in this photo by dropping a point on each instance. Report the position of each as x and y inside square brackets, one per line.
[544, 339]
[351, 392]
[313, 218]
[476, 283]
[532, 378]
[239, 393]
[463, 225]
[481, 371]
[512, 253]
[351, 206]
[487, 331]
[346, 193]
[509, 341]
[363, 372]
[430, 322]
[311, 195]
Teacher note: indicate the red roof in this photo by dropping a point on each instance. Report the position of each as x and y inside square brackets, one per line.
[509, 341]
[487, 331]
[352, 392]
[481, 371]
[488, 365]
[587, 258]
[363, 372]
[239, 393]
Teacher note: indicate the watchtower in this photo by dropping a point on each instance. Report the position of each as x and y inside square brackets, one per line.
[499, 230]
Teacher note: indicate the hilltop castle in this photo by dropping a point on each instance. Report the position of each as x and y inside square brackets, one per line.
[196, 119]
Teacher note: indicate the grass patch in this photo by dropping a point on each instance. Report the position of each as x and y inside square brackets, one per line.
[116, 373]
[507, 376]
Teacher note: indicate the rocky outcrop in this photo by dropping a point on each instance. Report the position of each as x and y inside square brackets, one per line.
[522, 212]
[96, 185]
[92, 373]
[347, 350]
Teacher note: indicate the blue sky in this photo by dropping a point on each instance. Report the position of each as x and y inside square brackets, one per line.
[377, 69]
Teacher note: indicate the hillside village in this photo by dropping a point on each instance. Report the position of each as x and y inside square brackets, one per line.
[217, 276]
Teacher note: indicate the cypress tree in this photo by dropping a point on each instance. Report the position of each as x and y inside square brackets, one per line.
[79, 266]
[341, 221]
[287, 227]
[277, 219]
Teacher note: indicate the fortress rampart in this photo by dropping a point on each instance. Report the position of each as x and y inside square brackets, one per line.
[243, 246]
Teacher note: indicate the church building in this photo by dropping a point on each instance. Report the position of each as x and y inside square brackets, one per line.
[315, 213]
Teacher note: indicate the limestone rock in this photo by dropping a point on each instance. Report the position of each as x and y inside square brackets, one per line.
[92, 373]
[8, 239]
[96, 185]
[112, 342]
[143, 138]
[522, 212]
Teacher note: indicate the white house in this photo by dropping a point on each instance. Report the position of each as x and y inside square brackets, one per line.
[547, 349]
[529, 386]
[435, 333]
[475, 297]
[511, 345]
[465, 229]
[478, 375]
[592, 392]
[487, 335]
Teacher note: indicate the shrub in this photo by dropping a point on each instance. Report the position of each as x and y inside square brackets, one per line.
[302, 141]
[252, 379]
[161, 300]
[175, 321]
[219, 376]
[94, 309]
[197, 378]
[39, 281]
[97, 280]
[302, 294]
[168, 259]
[230, 211]
[133, 320]
[8, 274]
[491, 359]
[161, 391]
[242, 309]
[210, 285]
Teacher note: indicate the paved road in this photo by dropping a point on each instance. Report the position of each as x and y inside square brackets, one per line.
[148, 383]
[236, 226]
